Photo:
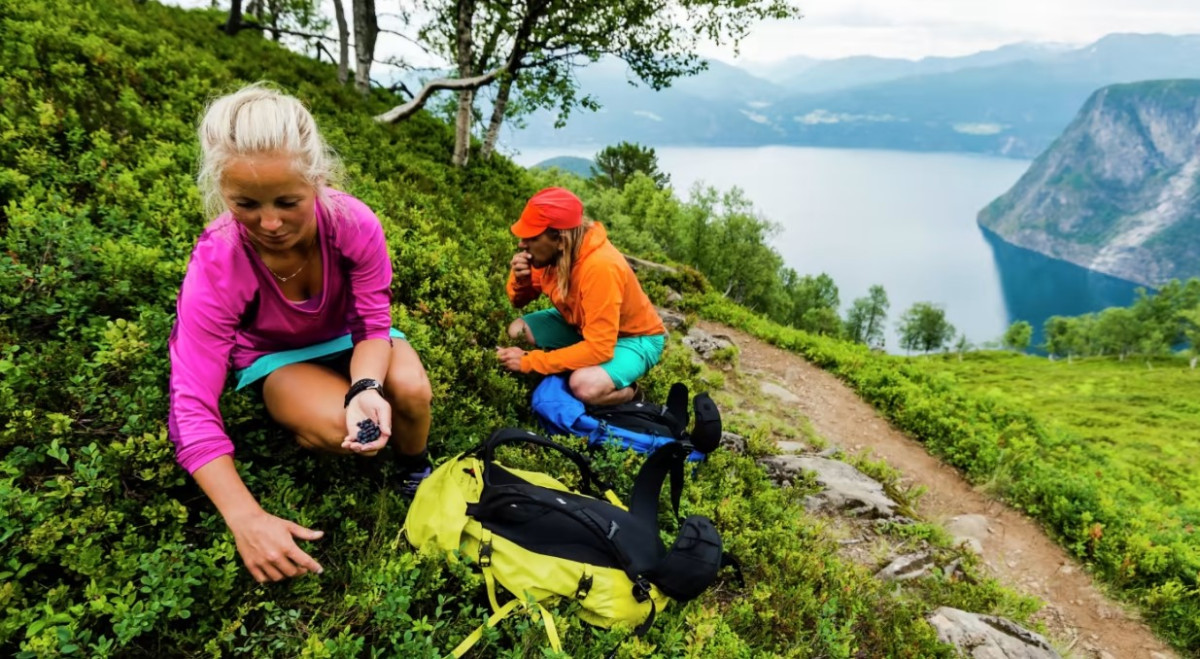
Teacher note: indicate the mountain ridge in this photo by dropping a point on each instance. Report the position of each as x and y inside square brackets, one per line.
[1010, 102]
[1119, 191]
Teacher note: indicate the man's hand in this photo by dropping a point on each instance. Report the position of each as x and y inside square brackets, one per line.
[510, 358]
[268, 547]
[520, 265]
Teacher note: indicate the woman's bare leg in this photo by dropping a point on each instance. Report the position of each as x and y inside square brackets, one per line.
[407, 390]
[518, 329]
[307, 399]
[593, 386]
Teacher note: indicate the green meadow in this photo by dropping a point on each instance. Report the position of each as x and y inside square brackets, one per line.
[1101, 451]
[1137, 423]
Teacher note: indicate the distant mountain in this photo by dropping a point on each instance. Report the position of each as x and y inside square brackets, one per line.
[864, 70]
[1119, 191]
[781, 70]
[1010, 101]
[577, 166]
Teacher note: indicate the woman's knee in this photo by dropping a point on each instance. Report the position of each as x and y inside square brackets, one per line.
[590, 384]
[519, 330]
[408, 390]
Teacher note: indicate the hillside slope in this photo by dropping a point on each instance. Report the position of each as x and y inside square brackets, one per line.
[108, 547]
[1119, 191]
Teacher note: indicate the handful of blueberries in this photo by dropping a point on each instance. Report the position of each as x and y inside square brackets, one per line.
[368, 431]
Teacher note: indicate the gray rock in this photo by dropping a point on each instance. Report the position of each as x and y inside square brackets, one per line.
[988, 637]
[733, 443]
[670, 318]
[674, 296]
[908, 566]
[791, 447]
[969, 531]
[776, 391]
[847, 490]
[706, 344]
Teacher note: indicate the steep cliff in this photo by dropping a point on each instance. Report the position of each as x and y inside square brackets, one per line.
[1119, 191]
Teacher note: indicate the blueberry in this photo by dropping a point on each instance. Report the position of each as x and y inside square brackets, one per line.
[368, 431]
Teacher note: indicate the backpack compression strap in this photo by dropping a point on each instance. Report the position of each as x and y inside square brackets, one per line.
[591, 482]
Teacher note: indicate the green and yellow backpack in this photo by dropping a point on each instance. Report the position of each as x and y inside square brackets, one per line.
[539, 541]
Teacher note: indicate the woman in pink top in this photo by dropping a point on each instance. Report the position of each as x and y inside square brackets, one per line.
[289, 287]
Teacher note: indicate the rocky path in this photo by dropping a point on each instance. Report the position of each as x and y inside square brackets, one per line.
[1013, 547]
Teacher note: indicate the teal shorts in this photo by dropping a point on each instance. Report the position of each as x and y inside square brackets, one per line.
[329, 350]
[632, 358]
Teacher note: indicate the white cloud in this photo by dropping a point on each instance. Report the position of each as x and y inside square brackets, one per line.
[647, 114]
[920, 28]
[979, 129]
[826, 117]
[756, 117]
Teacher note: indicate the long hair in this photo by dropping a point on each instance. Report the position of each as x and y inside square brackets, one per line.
[259, 118]
[571, 241]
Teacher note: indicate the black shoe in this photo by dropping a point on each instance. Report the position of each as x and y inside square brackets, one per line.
[412, 480]
[414, 469]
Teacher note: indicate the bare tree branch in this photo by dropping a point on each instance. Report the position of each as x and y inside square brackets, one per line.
[456, 84]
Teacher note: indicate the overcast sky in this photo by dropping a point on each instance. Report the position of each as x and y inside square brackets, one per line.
[919, 28]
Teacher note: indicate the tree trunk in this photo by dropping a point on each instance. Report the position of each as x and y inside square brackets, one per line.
[274, 9]
[343, 73]
[493, 131]
[1193, 362]
[366, 29]
[234, 23]
[466, 97]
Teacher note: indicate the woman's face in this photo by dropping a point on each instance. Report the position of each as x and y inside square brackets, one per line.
[273, 201]
[543, 248]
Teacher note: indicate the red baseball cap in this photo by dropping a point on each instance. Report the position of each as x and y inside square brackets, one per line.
[551, 208]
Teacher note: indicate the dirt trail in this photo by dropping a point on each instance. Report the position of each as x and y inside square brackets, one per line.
[1015, 549]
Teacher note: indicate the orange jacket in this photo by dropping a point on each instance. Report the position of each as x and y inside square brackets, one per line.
[604, 300]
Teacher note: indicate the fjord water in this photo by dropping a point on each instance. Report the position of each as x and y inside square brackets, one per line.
[901, 219]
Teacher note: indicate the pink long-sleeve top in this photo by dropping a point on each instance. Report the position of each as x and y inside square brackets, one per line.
[230, 312]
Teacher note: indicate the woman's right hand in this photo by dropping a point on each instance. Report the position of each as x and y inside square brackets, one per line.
[520, 265]
[267, 545]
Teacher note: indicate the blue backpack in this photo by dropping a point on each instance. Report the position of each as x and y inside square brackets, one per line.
[640, 426]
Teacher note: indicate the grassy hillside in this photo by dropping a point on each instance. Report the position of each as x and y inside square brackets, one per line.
[108, 549]
[1103, 453]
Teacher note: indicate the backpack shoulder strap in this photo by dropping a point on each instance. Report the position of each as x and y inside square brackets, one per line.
[643, 501]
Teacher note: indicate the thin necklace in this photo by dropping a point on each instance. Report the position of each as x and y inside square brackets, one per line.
[284, 280]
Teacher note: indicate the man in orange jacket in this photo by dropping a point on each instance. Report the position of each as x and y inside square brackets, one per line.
[603, 328]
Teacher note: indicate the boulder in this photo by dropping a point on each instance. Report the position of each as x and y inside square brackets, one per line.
[988, 637]
[847, 490]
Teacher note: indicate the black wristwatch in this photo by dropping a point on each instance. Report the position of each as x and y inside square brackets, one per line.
[361, 386]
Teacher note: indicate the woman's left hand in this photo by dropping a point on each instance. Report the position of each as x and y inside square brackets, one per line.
[367, 405]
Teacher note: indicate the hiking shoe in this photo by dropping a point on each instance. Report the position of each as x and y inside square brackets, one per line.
[411, 480]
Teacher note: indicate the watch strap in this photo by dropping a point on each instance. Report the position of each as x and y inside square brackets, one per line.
[361, 386]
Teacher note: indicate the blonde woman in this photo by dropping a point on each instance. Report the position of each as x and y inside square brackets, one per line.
[602, 328]
[288, 287]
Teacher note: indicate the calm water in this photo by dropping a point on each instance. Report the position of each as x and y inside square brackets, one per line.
[903, 220]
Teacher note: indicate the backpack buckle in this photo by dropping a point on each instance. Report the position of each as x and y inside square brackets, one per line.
[641, 589]
[584, 587]
[485, 554]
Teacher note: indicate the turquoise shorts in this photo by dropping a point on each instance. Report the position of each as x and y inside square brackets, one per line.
[632, 358]
[267, 364]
